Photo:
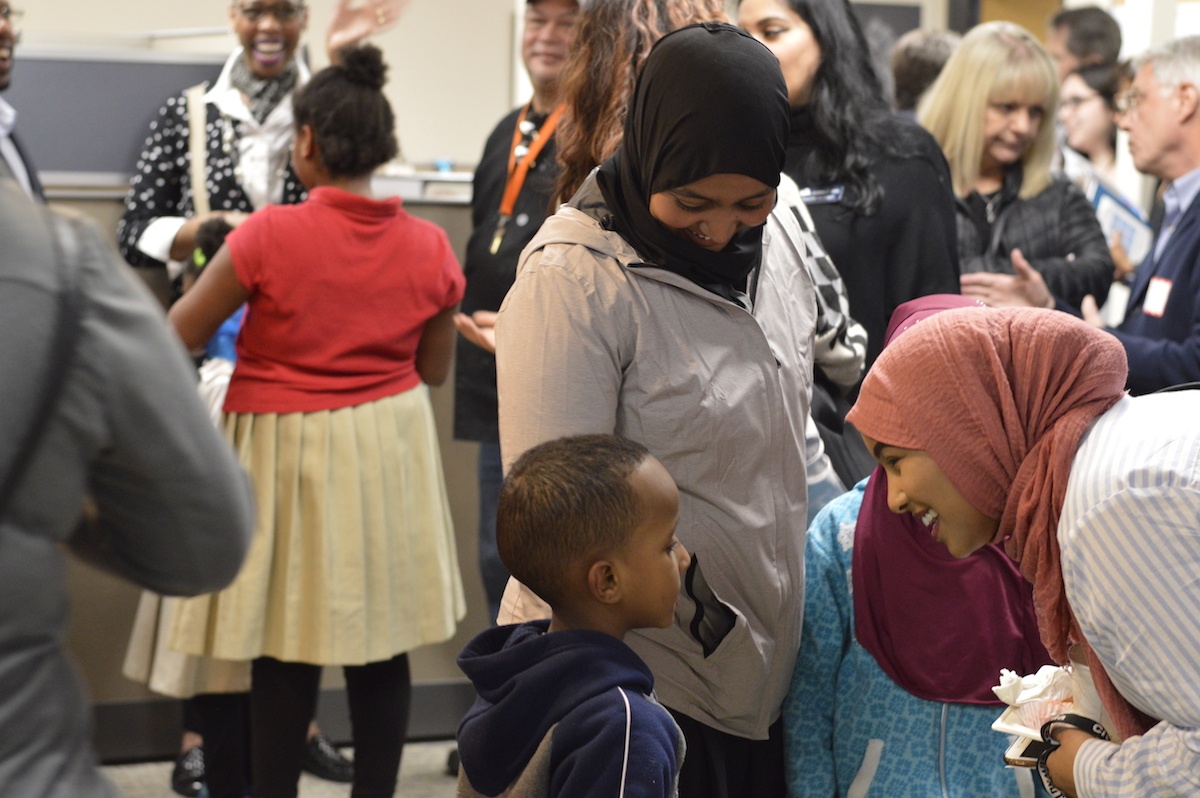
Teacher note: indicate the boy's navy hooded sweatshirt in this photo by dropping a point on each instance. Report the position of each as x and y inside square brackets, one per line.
[566, 713]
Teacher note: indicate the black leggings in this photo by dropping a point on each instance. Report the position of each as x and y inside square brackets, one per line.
[283, 697]
[224, 721]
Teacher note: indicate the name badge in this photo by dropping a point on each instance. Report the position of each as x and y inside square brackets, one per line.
[1156, 297]
[822, 196]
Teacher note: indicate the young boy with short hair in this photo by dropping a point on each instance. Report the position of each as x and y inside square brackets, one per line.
[565, 708]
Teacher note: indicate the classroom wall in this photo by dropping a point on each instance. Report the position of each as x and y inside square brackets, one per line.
[1030, 14]
[451, 60]
[451, 79]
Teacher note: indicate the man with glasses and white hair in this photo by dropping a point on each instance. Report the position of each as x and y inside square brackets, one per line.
[14, 160]
[1161, 113]
[224, 150]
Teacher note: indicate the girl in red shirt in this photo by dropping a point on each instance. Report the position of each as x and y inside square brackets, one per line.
[350, 306]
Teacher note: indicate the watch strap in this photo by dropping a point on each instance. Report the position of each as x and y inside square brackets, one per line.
[1088, 725]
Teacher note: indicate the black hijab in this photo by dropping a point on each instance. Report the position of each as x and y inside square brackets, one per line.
[710, 100]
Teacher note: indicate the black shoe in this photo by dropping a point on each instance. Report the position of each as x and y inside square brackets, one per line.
[187, 777]
[452, 763]
[325, 762]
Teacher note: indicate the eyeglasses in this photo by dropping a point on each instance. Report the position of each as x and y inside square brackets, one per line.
[11, 15]
[283, 12]
[1127, 101]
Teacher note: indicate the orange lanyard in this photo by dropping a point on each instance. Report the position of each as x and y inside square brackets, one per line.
[517, 172]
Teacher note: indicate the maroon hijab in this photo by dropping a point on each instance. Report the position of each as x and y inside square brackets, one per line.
[1000, 400]
[939, 626]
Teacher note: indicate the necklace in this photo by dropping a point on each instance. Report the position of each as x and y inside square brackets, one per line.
[990, 204]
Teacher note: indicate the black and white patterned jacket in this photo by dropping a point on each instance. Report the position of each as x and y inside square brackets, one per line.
[161, 185]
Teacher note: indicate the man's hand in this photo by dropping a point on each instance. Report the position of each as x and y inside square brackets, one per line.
[351, 25]
[1123, 265]
[1025, 289]
[479, 328]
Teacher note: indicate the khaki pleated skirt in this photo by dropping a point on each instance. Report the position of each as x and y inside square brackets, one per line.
[150, 660]
[353, 558]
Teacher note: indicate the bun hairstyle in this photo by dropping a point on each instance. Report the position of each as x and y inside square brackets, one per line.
[209, 238]
[211, 235]
[350, 117]
[364, 65]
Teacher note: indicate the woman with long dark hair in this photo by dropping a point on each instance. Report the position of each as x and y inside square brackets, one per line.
[877, 186]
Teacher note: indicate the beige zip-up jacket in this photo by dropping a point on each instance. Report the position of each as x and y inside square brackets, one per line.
[593, 340]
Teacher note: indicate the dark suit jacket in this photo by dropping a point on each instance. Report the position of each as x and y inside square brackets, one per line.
[1165, 350]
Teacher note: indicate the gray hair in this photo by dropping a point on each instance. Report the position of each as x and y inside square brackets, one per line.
[1172, 63]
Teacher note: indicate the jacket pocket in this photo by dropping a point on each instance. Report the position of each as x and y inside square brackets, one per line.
[712, 620]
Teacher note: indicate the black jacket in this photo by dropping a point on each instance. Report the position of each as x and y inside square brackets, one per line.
[490, 275]
[902, 251]
[1056, 230]
[162, 182]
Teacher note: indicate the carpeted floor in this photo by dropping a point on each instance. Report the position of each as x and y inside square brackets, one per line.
[422, 775]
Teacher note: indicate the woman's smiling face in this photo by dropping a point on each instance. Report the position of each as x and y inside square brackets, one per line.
[710, 211]
[917, 486]
[269, 32]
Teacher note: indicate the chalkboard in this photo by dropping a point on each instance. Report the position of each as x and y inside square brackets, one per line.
[88, 113]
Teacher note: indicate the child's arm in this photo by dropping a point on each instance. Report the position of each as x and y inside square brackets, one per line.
[216, 294]
[436, 350]
[620, 743]
[810, 706]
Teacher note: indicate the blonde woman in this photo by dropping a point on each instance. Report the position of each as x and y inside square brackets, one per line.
[992, 111]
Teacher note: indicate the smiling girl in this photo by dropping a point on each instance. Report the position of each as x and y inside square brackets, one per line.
[1093, 494]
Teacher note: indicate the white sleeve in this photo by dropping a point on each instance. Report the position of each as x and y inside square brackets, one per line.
[156, 241]
[1164, 762]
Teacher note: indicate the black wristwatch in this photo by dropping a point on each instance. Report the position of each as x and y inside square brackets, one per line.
[1088, 725]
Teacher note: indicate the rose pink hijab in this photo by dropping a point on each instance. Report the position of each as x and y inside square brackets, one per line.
[939, 626]
[1000, 400]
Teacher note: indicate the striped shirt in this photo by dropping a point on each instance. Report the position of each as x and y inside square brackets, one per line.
[1130, 540]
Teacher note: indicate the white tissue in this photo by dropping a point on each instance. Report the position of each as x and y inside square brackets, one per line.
[1050, 683]
[1032, 699]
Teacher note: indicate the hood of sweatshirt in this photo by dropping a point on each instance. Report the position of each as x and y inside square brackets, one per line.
[527, 680]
